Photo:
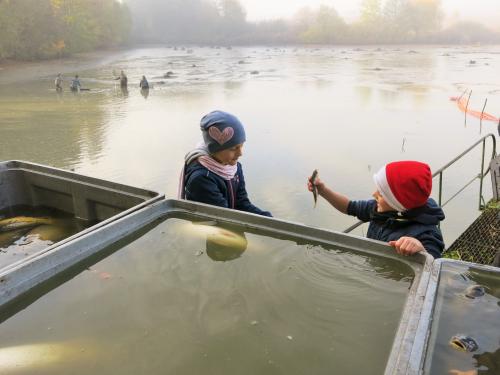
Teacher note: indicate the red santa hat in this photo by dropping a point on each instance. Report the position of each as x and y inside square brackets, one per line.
[404, 184]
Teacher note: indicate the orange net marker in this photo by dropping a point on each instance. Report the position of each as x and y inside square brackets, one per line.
[462, 105]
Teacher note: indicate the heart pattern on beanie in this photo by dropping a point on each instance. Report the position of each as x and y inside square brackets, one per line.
[221, 137]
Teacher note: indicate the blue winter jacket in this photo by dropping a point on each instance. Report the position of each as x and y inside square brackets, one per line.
[420, 223]
[204, 186]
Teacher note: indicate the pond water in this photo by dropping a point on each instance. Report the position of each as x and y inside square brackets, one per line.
[168, 303]
[342, 110]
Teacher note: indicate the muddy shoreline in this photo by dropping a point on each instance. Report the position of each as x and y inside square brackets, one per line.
[21, 71]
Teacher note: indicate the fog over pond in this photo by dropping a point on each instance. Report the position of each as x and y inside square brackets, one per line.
[57, 28]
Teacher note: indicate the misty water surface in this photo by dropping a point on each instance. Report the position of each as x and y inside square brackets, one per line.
[345, 111]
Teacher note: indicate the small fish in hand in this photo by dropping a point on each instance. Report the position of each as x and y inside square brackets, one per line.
[314, 187]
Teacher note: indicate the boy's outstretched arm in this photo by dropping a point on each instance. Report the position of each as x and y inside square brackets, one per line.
[337, 200]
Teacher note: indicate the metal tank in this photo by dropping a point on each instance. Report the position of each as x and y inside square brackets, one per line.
[458, 324]
[444, 296]
[92, 200]
[18, 280]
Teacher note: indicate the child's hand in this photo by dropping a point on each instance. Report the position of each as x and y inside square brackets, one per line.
[407, 245]
[317, 181]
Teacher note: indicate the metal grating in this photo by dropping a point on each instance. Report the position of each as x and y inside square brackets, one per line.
[480, 243]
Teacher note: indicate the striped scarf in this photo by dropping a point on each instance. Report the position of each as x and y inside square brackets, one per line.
[200, 153]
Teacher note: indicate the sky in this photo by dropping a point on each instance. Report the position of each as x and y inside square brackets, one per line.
[485, 11]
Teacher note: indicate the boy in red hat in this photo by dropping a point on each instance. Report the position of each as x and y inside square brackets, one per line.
[402, 213]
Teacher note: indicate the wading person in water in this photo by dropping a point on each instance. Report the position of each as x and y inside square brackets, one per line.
[123, 80]
[58, 82]
[144, 84]
[75, 84]
[401, 212]
[211, 172]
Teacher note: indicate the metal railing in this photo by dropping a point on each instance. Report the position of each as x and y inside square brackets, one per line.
[439, 173]
[481, 175]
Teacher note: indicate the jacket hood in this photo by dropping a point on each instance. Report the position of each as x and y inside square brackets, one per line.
[192, 167]
[429, 214]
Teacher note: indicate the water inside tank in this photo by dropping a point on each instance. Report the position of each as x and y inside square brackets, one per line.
[25, 230]
[465, 333]
[190, 298]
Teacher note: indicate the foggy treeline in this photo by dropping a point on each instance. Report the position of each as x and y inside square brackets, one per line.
[31, 29]
[224, 21]
[38, 29]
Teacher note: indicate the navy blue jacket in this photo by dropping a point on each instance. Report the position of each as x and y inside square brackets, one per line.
[420, 223]
[204, 186]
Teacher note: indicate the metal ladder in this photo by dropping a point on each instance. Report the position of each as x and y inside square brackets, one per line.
[495, 178]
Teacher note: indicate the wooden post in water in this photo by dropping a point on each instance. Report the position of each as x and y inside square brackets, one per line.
[481, 119]
[461, 96]
[466, 107]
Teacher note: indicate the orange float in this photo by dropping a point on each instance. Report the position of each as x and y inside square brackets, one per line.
[462, 105]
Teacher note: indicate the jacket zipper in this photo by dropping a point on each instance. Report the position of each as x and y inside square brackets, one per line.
[231, 192]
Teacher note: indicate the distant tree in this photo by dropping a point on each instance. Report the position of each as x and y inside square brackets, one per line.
[422, 19]
[8, 30]
[398, 21]
[36, 29]
[468, 33]
[92, 24]
[278, 31]
[370, 25]
[394, 21]
[188, 21]
[114, 23]
[392, 9]
[232, 10]
[233, 20]
[68, 26]
[302, 20]
[371, 11]
[324, 26]
[30, 29]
